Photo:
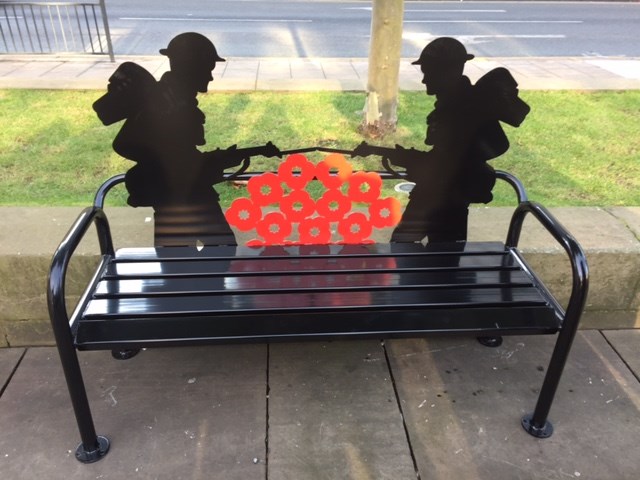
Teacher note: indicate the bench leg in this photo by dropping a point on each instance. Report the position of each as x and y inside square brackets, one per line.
[537, 424]
[92, 447]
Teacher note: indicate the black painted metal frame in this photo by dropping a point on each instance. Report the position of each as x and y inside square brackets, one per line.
[94, 447]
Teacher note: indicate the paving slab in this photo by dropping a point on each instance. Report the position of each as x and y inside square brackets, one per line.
[304, 69]
[7, 68]
[463, 403]
[627, 344]
[34, 69]
[274, 69]
[333, 414]
[9, 360]
[69, 69]
[238, 69]
[340, 69]
[196, 413]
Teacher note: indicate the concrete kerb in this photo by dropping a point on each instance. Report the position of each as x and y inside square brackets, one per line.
[611, 238]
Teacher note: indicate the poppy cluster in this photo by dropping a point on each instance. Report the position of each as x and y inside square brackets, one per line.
[314, 218]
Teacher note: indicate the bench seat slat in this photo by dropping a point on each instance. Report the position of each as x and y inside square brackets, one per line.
[140, 332]
[234, 252]
[215, 285]
[335, 301]
[268, 266]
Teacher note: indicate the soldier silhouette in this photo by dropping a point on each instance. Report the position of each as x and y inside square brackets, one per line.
[162, 132]
[464, 132]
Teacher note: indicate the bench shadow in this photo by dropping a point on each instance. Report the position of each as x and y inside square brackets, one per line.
[463, 402]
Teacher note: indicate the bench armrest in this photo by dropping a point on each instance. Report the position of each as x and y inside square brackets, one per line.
[62, 256]
[579, 267]
[101, 194]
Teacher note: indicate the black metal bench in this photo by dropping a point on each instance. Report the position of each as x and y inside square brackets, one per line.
[181, 296]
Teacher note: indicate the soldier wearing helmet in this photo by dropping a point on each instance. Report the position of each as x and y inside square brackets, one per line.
[162, 132]
[192, 58]
[442, 64]
[463, 132]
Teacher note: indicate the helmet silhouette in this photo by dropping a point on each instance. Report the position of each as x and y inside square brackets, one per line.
[444, 50]
[192, 45]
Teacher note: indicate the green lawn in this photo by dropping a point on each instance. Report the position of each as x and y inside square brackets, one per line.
[575, 148]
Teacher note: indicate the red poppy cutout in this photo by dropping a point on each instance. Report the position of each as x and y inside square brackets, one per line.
[335, 161]
[314, 231]
[265, 189]
[385, 212]
[355, 228]
[243, 214]
[297, 206]
[333, 205]
[296, 171]
[274, 228]
[365, 186]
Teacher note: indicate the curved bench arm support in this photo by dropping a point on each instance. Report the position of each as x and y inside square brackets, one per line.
[92, 447]
[537, 424]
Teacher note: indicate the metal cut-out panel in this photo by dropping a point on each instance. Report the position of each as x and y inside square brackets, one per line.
[281, 211]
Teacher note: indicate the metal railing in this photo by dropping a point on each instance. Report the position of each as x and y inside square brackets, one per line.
[55, 27]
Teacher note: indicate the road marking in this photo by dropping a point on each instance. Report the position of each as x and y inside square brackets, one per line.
[419, 36]
[238, 20]
[456, 11]
[431, 10]
[493, 21]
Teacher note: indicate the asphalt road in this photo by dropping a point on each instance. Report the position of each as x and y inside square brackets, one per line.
[322, 28]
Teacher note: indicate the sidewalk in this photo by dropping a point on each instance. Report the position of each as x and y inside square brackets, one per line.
[330, 411]
[287, 74]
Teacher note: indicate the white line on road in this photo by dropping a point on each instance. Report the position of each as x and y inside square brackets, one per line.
[239, 20]
[409, 35]
[432, 10]
[493, 21]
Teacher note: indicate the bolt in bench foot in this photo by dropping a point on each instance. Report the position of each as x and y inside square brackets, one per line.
[90, 456]
[544, 432]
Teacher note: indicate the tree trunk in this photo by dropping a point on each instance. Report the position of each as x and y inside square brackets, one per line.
[380, 111]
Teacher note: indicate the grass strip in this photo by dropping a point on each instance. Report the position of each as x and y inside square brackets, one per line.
[575, 148]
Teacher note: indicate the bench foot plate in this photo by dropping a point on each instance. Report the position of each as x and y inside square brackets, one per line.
[490, 341]
[90, 456]
[125, 354]
[544, 432]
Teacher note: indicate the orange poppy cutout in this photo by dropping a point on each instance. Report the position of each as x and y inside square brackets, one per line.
[315, 230]
[274, 228]
[314, 219]
[296, 171]
[243, 214]
[333, 205]
[385, 212]
[265, 189]
[297, 206]
[365, 187]
[337, 162]
[355, 228]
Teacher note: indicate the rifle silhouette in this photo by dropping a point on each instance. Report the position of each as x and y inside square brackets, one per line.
[398, 156]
